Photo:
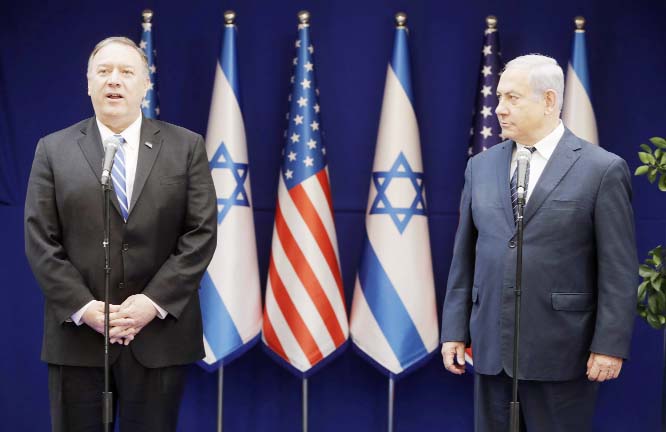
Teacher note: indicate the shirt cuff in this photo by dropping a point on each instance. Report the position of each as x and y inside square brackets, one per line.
[77, 317]
[161, 313]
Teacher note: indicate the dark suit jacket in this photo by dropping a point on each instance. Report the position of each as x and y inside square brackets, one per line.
[162, 250]
[579, 263]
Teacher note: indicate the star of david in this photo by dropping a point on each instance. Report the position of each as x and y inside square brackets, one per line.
[222, 160]
[382, 204]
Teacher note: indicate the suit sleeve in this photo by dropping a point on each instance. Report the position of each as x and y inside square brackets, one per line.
[458, 300]
[62, 284]
[182, 271]
[617, 263]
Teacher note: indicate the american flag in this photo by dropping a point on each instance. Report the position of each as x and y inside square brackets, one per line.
[150, 106]
[304, 317]
[485, 131]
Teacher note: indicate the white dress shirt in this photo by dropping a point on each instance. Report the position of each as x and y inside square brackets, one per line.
[132, 136]
[544, 149]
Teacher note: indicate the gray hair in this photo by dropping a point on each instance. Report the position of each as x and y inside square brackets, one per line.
[543, 73]
[123, 41]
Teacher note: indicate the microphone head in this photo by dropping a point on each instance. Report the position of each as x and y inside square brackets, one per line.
[112, 141]
[524, 155]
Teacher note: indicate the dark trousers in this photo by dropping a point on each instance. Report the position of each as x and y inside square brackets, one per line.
[146, 399]
[545, 406]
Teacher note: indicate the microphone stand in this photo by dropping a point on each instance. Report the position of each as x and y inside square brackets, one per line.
[107, 395]
[515, 405]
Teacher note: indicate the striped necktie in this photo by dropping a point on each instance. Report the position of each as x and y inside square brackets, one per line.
[119, 178]
[514, 187]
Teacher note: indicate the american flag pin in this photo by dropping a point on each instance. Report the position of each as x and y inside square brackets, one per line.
[149, 144]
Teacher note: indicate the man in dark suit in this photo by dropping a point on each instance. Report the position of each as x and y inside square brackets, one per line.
[579, 265]
[163, 231]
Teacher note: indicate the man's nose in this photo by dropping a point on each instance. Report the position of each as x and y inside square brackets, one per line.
[114, 77]
[501, 109]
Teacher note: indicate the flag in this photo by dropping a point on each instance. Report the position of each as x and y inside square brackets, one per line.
[230, 289]
[393, 318]
[305, 319]
[150, 106]
[577, 112]
[485, 131]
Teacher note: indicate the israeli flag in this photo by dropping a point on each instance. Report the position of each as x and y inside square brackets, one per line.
[393, 317]
[230, 289]
[577, 112]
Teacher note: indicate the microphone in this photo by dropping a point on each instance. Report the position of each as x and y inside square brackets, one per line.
[523, 158]
[110, 148]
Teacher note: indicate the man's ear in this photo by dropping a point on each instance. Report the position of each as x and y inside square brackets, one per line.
[550, 97]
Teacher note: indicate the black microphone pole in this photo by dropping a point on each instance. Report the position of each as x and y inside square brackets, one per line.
[515, 405]
[107, 396]
[522, 168]
[110, 148]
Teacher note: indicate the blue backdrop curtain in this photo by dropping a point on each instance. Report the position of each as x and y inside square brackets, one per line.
[43, 58]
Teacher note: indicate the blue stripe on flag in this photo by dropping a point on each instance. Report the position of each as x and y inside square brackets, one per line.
[228, 59]
[400, 62]
[389, 311]
[219, 329]
[579, 60]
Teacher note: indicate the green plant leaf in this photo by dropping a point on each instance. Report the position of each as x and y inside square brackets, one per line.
[656, 257]
[647, 148]
[642, 291]
[653, 321]
[653, 308]
[652, 176]
[662, 183]
[645, 271]
[643, 169]
[659, 142]
[663, 159]
[657, 284]
[662, 320]
[646, 158]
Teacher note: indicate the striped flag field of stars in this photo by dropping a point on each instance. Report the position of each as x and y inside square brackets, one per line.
[150, 106]
[485, 131]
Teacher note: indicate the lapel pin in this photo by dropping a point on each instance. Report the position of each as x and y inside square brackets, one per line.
[149, 144]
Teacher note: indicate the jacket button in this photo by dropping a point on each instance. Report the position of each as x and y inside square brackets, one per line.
[121, 285]
[125, 247]
[512, 244]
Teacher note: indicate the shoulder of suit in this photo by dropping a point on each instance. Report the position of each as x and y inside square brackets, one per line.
[68, 135]
[491, 151]
[170, 128]
[595, 154]
[73, 131]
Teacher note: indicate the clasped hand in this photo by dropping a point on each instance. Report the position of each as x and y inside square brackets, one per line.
[125, 320]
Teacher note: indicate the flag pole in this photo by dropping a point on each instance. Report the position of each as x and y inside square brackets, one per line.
[220, 387]
[305, 405]
[391, 399]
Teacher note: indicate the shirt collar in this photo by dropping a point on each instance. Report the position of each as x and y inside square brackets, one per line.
[546, 146]
[131, 134]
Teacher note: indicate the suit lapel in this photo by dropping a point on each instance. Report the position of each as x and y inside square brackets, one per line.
[565, 155]
[503, 179]
[150, 143]
[91, 145]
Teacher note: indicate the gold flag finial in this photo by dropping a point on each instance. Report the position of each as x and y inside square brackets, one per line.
[580, 23]
[147, 15]
[229, 17]
[401, 19]
[304, 17]
[491, 21]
